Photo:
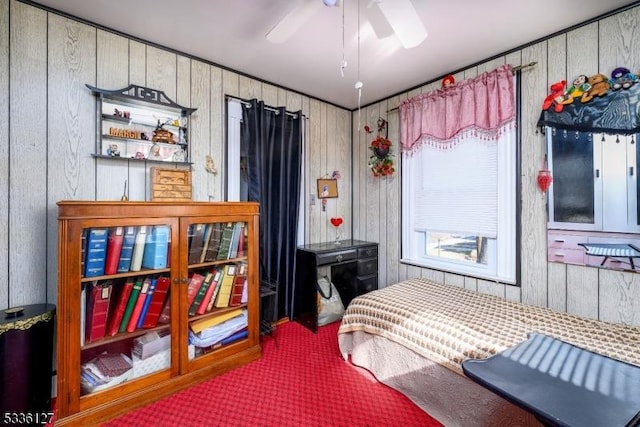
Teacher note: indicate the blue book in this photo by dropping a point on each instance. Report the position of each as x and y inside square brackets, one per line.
[156, 247]
[96, 252]
[127, 250]
[147, 302]
[243, 333]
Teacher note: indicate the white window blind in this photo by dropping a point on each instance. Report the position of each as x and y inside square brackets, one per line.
[458, 190]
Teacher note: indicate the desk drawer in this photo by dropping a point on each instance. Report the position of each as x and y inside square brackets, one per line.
[367, 284]
[336, 257]
[368, 251]
[367, 266]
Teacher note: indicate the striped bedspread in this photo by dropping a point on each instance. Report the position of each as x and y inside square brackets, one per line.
[448, 324]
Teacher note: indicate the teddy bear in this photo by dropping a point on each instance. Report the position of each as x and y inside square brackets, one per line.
[577, 88]
[622, 78]
[557, 96]
[599, 86]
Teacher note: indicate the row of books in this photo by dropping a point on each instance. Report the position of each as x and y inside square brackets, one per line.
[216, 241]
[111, 307]
[221, 286]
[114, 250]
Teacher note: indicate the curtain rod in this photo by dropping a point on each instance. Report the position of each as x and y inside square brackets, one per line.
[248, 104]
[513, 70]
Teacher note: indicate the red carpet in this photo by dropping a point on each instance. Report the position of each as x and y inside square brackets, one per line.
[301, 380]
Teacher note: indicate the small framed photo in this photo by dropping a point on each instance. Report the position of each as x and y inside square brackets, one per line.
[327, 188]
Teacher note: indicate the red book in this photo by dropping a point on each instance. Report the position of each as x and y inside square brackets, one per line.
[193, 287]
[165, 315]
[202, 308]
[157, 302]
[114, 246]
[238, 286]
[121, 305]
[137, 308]
[99, 295]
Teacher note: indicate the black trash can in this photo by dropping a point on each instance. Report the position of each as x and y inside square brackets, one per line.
[26, 358]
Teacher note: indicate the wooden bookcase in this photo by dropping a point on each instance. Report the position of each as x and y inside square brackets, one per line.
[173, 229]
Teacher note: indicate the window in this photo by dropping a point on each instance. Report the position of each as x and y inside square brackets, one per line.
[595, 181]
[459, 207]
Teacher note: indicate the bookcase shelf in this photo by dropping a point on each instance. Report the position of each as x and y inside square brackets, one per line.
[188, 311]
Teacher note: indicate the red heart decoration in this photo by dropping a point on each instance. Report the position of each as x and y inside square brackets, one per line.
[336, 222]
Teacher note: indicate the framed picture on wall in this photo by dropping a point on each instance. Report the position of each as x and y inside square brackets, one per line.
[327, 188]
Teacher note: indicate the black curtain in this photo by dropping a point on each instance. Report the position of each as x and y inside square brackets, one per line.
[273, 140]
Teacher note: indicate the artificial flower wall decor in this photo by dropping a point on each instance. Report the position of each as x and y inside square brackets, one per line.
[380, 161]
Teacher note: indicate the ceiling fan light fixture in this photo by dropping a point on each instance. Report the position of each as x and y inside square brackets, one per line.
[330, 3]
[404, 20]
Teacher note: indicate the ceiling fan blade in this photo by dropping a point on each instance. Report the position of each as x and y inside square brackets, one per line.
[294, 20]
[378, 22]
[404, 20]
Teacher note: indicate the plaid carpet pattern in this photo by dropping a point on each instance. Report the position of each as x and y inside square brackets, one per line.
[301, 380]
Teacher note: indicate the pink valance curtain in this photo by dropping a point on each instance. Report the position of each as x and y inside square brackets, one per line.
[481, 107]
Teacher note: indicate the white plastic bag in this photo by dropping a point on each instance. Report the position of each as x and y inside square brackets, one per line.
[330, 307]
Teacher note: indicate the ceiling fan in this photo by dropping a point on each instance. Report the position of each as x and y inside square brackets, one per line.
[400, 16]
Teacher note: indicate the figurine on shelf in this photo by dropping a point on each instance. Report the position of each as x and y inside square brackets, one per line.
[160, 134]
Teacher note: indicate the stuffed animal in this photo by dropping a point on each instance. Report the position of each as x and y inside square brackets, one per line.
[622, 78]
[577, 88]
[557, 96]
[599, 86]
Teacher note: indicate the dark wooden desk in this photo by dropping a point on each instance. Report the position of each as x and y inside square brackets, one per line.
[354, 271]
[561, 384]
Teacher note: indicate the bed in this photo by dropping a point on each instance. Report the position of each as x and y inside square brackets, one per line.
[414, 335]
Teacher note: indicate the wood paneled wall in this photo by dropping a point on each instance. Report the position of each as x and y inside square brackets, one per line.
[608, 295]
[48, 134]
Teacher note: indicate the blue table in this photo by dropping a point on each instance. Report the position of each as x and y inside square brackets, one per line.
[561, 384]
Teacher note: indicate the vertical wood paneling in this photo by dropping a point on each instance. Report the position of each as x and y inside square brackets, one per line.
[582, 52]
[137, 182]
[454, 280]
[620, 41]
[270, 94]
[216, 143]
[582, 291]
[392, 231]
[71, 107]
[312, 172]
[343, 165]
[471, 283]
[4, 152]
[161, 71]
[201, 130]
[533, 242]
[250, 88]
[620, 297]
[557, 285]
[427, 273]
[27, 147]
[332, 159]
[231, 83]
[513, 293]
[137, 63]
[44, 129]
[112, 72]
[491, 288]
[383, 213]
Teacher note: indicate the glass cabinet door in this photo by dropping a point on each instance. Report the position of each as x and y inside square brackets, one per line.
[217, 315]
[125, 300]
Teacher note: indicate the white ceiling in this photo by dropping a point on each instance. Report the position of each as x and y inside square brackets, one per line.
[232, 34]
